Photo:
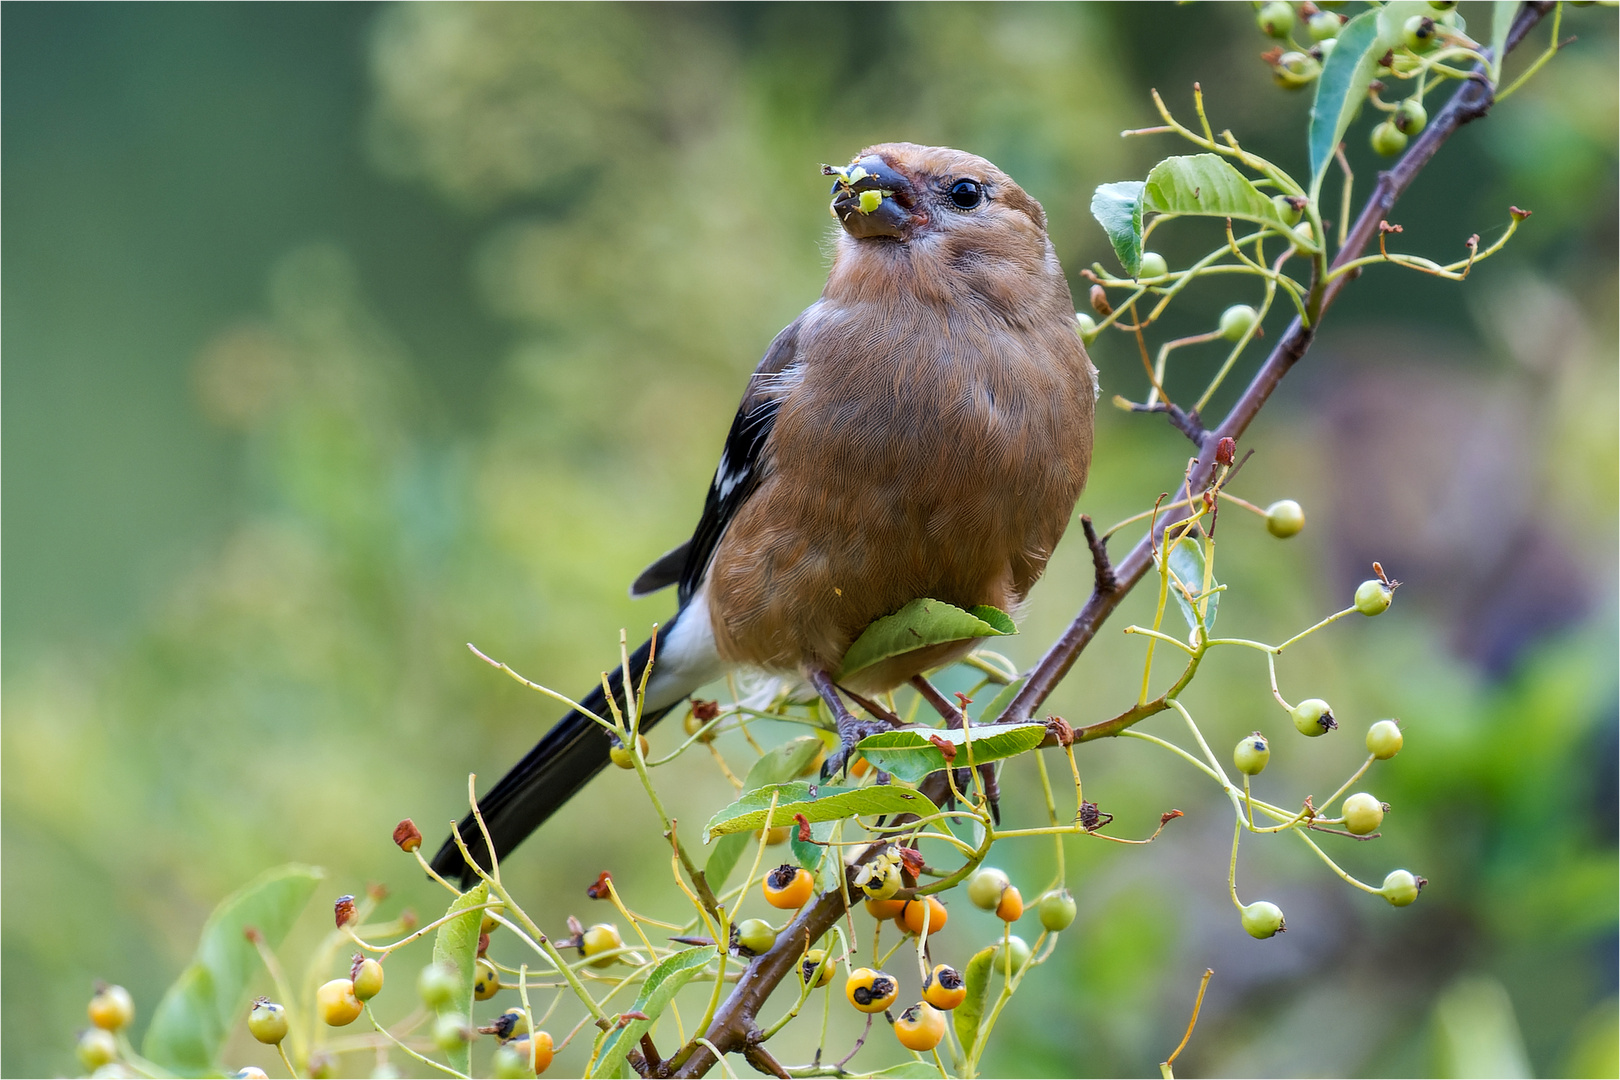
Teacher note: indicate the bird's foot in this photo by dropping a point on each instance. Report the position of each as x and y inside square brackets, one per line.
[850, 732]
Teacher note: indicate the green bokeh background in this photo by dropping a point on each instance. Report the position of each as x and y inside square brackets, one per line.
[338, 336]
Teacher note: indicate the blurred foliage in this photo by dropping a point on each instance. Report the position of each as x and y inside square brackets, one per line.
[340, 336]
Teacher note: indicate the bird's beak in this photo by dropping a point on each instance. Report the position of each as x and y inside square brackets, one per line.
[872, 199]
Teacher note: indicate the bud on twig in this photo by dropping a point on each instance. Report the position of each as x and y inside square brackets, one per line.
[600, 889]
[343, 910]
[407, 836]
[1099, 301]
[1226, 451]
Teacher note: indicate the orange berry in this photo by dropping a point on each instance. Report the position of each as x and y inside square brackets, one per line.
[1011, 906]
[885, 909]
[913, 914]
[920, 1027]
[789, 887]
[945, 988]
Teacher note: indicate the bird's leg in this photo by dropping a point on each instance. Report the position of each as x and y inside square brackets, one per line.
[953, 719]
[1106, 582]
[850, 730]
[874, 708]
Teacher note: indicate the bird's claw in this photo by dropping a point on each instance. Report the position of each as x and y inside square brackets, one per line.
[849, 733]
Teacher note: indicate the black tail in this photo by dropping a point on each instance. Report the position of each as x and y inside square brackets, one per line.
[572, 752]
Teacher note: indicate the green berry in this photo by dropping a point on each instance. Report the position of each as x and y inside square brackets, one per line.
[1304, 238]
[250, 1072]
[1363, 813]
[1015, 950]
[507, 1065]
[1313, 717]
[1384, 740]
[1418, 33]
[986, 886]
[1410, 117]
[1401, 887]
[436, 985]
[755, 936]
[1324, 49]
[450, 1033]
[368, 979]
[267, 1022]
[1286, 209]
[1153, 265]
[1252, 754]
[1276, 19]
[1295, 69]
[1236, 321]
[1263, 919]
[620, 753]
[1442, 5]
[1387, 139]
[97, 1047]
[1323, 26]
[1373, 597]
[1088, 326]
[1057, 910]
[1284, 518]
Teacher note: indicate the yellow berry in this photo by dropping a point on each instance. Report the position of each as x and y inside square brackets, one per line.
[920, 1027]
[336, 1004]
[945, 988]
[267, 1022]
[599, 939]
[870, 991]
[486, 980]
[112, 1009]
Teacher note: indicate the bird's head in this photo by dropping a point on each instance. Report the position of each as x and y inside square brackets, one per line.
[937, 217]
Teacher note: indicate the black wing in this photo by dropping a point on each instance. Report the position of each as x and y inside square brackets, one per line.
[741, 468]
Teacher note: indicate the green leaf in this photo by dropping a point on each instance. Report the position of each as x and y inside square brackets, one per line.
[1004, 697]
[1205, 185]
[907, 1070]
[919, 624]
[1340, 90]
[909, 755]
[1187, 563]
[774, 767]
[827, 804]
[198, 1012]
[967, 1015]
[810, 855]
[671, 973]
[456, 947]
[1118, 209]
[1502, 15]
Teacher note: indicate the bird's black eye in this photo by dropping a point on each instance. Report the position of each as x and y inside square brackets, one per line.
[966, 194]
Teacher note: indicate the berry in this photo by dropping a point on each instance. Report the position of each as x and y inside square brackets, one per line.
[1013, 951]
[778, 834]
[1401, 887]
[1373, 597]
[1287, 210]
[514, 1059]
[1303, 238]
[1313, 717]
[920, 1027]
[1384, 740]
[436, 985]
[815, 966]
[367, 976]
[489, 925]
[1293, 70]
[336, 1004]
[322, 1065]
[1088, 326]
[755, 936]
[267, 1022]
[1057, 910]
[1236, 320]
[486, 980]
[1324, 49]
[1323, 26]
[789, 887]
[695, 723]
[1011, 908]
[986, 886]
[250, 1072]
[621, 754]
[97, 1047]
[1387, 139]
[1284, 518]
[916, 910]
[1410, 116]
[1262, 919]
[511, 1024]
[449, 1033]
[1443, 5]
[879, 879]
[944, 988]
[1276, 19]
[1363, 813]
[599, 939]
[885, 909]
[1153, 265]
[870, 991]
[1418, 33]
[1252, 754]
[112, 1009]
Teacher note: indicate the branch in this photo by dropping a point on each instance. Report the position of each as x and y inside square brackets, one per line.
[733, 1028]
[1472, 101]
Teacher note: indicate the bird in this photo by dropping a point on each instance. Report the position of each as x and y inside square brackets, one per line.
[923, 429]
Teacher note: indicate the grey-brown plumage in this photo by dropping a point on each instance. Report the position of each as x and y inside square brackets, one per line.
[922, 430]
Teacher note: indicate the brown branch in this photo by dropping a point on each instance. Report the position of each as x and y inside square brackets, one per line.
[1470, 102]
[733, 1028]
